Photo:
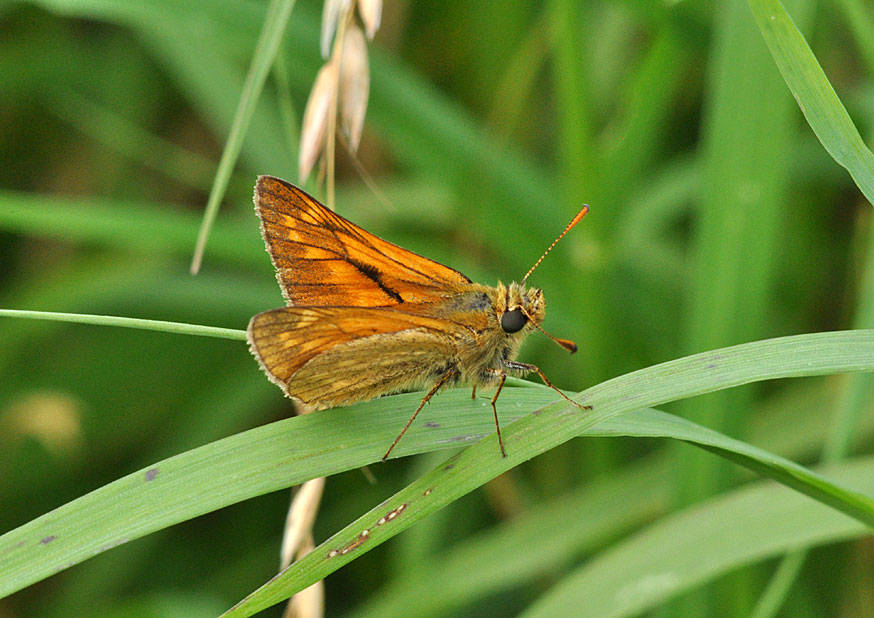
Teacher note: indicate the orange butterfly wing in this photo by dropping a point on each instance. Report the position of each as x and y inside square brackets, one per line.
[322, 259]
[316, 353]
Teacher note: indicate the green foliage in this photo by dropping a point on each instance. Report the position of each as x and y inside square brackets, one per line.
[718, 218]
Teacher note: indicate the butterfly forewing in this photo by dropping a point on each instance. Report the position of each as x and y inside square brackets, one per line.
[323, 259]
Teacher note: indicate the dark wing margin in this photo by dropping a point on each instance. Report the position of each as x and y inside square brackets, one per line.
[323, 259]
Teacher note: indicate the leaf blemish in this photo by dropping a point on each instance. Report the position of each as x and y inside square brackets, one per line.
[358, 542]
[151, 473]
[365, 534]
[391, 514]
[47, 540]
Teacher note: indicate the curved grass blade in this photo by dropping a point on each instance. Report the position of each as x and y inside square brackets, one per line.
[817, 99]
[278, 13]
[556, 423]
[549, 536]
[702, 542]
[179, 328]
[126, 225]
[294, 450]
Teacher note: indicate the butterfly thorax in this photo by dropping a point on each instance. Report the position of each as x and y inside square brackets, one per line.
[505, 316]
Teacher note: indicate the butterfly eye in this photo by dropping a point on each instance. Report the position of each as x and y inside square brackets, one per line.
[513, 321]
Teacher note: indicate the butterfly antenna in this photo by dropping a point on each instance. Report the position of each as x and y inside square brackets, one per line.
[567, 344]
[570, 225]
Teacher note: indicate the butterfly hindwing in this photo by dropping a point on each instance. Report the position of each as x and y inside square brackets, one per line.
[316, 353]
[323, 259]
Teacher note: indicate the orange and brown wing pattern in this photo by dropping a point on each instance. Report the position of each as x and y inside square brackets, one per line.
[323, 259]
[316, 354]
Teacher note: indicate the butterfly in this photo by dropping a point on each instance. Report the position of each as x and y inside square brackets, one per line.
[367, 318]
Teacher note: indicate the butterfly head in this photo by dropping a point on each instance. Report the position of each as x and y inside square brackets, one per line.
[520, 309]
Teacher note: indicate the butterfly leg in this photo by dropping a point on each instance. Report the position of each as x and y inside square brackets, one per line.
[517, 366]
[446, 376]
[473, 392]
[502, 377]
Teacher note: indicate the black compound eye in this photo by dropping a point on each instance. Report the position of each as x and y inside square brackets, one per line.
[513, 321]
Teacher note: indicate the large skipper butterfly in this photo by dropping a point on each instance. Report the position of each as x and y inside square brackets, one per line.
[367, 318]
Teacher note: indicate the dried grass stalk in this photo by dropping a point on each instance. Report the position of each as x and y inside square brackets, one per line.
[371, 14]
[316, 118]
[309, 602]
[354, 85]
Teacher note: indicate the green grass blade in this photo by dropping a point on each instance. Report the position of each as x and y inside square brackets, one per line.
[278, 13]
[855, 393]
[578, 156]
[516, 553]
[781, 583]
[497, 560]
[860, 19]
[557, 423]
[292, 451]
[817, 99]
[700, 543]
[113, 130]
[578, 524]
[786, 472]
[124, 224]
[111, 320]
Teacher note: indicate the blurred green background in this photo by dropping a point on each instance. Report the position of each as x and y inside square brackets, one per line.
[717, 218]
